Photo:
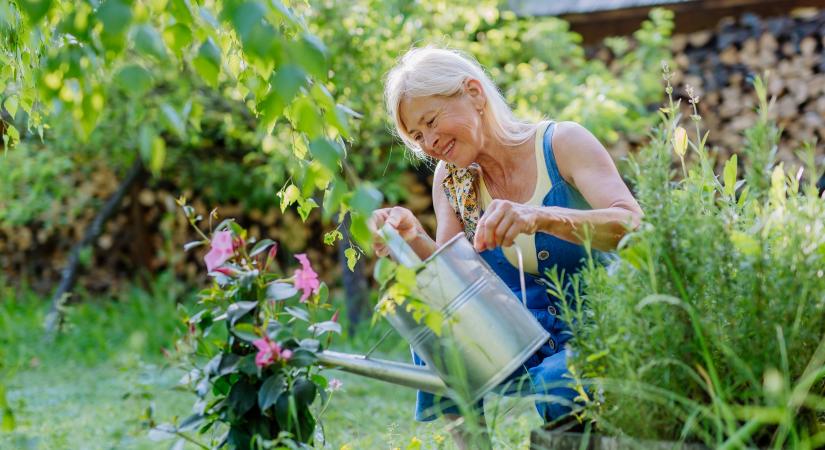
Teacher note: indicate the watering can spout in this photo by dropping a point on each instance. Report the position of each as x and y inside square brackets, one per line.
[409, 375]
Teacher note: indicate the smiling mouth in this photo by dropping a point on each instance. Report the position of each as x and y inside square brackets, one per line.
[449, 148]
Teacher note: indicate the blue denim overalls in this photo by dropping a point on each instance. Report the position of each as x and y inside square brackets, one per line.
[548, 366]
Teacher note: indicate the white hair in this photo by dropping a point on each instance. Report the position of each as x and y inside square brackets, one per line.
[427, 71]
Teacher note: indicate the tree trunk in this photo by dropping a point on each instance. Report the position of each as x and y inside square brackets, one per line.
[355, 282]
[54, 318]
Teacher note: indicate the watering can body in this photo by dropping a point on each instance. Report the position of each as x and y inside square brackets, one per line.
[486, 333]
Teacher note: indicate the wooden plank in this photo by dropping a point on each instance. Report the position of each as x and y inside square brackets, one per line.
[692, 15]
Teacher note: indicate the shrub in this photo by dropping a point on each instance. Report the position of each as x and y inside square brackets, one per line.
[710, 327]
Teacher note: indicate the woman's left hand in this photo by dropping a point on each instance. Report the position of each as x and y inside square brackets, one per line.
[502, 222]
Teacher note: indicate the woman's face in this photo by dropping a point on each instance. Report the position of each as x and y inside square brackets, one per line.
[447, 128]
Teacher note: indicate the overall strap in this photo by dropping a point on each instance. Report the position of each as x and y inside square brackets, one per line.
[549, 157]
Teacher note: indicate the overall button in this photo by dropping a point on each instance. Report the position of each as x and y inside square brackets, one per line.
[543, 255]
[551, 343]
[552, 310]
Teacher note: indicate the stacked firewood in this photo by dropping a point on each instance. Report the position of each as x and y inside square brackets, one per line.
[721, 63]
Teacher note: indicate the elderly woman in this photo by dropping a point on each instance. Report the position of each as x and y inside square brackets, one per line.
[504, 183]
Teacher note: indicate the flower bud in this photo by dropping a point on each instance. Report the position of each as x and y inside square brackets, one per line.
[680, 141]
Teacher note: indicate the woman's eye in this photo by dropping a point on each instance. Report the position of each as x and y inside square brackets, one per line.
[430, 123]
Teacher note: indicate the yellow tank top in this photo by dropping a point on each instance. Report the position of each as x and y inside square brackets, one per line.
[526, 242]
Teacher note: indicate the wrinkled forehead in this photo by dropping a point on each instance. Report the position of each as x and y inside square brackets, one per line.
[411, 110]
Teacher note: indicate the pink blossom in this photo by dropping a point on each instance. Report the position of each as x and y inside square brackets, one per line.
[221, 250]
[268, 352]
[335, 384]
[306, 278]
[335, 316]
[286, 354]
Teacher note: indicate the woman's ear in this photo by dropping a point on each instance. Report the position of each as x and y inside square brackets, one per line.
[475, 92]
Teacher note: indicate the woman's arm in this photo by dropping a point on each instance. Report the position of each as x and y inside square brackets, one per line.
[410, 228]
[584, 163]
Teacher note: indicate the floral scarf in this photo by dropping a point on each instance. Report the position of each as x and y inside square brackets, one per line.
[461, 187]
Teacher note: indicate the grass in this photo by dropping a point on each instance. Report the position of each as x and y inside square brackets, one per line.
[99, 383]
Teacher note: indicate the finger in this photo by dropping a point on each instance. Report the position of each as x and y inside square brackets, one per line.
[377, 219]
[509, 236]
[503, 226]
[493, 218]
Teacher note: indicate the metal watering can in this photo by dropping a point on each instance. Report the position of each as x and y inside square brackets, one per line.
[486, 332]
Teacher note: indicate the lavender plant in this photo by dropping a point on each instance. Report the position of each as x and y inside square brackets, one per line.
[711, 327]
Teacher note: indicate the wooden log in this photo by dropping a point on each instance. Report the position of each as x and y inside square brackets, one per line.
[700, 38]
[807, 46]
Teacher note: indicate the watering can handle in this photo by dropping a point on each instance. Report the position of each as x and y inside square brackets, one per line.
[398, 247]
[521, 275]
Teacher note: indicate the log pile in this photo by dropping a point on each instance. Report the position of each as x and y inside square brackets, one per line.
[720, 63]
[144, 237]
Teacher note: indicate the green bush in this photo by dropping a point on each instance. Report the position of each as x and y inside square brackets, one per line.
[711, 325]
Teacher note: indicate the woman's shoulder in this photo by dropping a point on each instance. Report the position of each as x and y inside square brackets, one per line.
[574, 146]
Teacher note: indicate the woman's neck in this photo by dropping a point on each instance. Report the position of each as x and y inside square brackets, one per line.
[502, 163]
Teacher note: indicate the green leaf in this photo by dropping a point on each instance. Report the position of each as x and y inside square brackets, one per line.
[359, 230]
[384, 270]
[178, 36]
[238, 310]
[241, 397]
[11, 105]
[298, 313]
[208, 62]
[405, 277]
[34, 10]
[328, 153]
[323, 292]
[115, 16]
[180, 11]
[272, 388]
[304, 391]
[149, 42]
[366, 199]
[311, 55]
[173, 120]
[352, 256]
[332, 236]
[289, 196]
[191, 423]
[730, 176]
[304, 117]
[286, 83]
[333, 197]
[261, 247]
[158, 155]
[305, 206]
[12, 136]
[229, 362]
[246, 331]
[280, 291]
[302, 358]
[325, 327]
[134, 80]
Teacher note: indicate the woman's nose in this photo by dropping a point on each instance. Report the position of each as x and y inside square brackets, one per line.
[431, 141]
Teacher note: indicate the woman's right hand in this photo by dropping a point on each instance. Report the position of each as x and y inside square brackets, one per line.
[402, 219]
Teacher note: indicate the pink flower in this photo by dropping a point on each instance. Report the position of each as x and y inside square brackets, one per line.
[306, 278]
[221, 250]
[268, 352]
[335, 316]
[286, 354]
[335, 384]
